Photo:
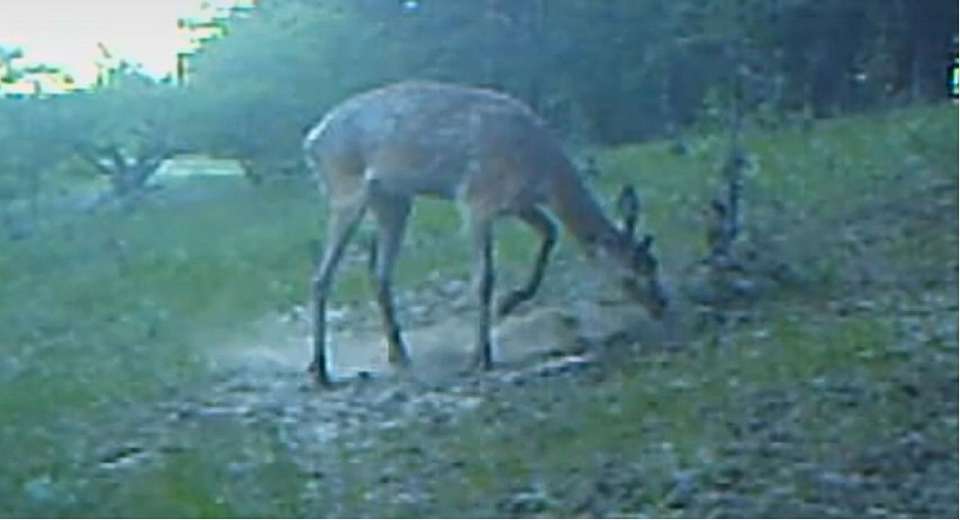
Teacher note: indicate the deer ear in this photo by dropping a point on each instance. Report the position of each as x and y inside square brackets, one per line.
[718, 207]
[628, 205]
[645, 242]
[642, 254]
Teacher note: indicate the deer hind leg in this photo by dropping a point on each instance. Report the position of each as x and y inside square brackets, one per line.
[483, 275]
[342, 223]
[391, 214]
[537, 219]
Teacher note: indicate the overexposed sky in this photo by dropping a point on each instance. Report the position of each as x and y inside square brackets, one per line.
[65, 32]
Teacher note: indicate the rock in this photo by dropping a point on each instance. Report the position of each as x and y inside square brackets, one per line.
[564, 365]
[684, 487]
[743, 287]
[419, 311]
[542, 331]
[526, 503]
[40, 489]
[336, 314]
[122, 456]
[727, 504]
[613, 323]
[453, 287]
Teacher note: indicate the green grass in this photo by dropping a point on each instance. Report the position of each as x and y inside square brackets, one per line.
[102, 288]
[103, 313]
[679, 410]
[672, 412]
[806, 172]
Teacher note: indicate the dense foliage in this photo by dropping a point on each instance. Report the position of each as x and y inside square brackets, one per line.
[651, 65]
[606, 72]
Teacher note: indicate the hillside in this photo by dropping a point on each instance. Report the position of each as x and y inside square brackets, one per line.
[155, 358]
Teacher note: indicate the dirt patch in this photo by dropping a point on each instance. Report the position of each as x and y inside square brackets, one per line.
[440, 350]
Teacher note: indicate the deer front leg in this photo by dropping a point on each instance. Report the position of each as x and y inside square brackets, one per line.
[391, 214]
[340, 227]
[540, 222]
[483, 275]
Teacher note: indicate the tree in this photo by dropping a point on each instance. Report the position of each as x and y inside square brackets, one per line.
[125, 130]
[611, 71]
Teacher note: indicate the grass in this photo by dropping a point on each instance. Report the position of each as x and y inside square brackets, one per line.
[677, 412]
[104, 313]
[216, 483]
[804, 172]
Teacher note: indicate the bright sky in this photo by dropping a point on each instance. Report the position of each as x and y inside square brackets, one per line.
[65, 32]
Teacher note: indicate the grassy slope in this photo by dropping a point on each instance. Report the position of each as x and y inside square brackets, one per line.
[101, 313]
[810, 409]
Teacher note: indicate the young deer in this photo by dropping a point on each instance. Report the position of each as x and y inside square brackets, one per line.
[487, 151]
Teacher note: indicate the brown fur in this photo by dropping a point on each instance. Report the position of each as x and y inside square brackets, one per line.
[489, 152]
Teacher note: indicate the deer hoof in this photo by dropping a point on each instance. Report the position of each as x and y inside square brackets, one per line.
[481, 363]
[319, 375]
[401, 361]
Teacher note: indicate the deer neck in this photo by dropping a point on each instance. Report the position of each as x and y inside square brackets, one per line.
[580, 213]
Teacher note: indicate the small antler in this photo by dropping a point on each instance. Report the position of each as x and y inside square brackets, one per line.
[628, 204]
[646, 242]
[591, 170]
[643, 252]
[718, 233]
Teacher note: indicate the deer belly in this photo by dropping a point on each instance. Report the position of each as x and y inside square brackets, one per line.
[439, 175]
[410, 183]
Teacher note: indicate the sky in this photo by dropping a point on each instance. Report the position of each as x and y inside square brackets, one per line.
[65, 33]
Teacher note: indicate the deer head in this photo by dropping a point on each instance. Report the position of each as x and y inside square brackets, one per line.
[641, 282]
[632, 261]
[628, 204]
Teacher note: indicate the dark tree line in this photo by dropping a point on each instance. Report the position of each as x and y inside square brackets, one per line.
[614, 71]
[600, 71]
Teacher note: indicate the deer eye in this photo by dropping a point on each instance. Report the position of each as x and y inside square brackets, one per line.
[646, 242]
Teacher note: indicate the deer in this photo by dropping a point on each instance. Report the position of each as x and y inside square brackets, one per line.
[491, 155]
